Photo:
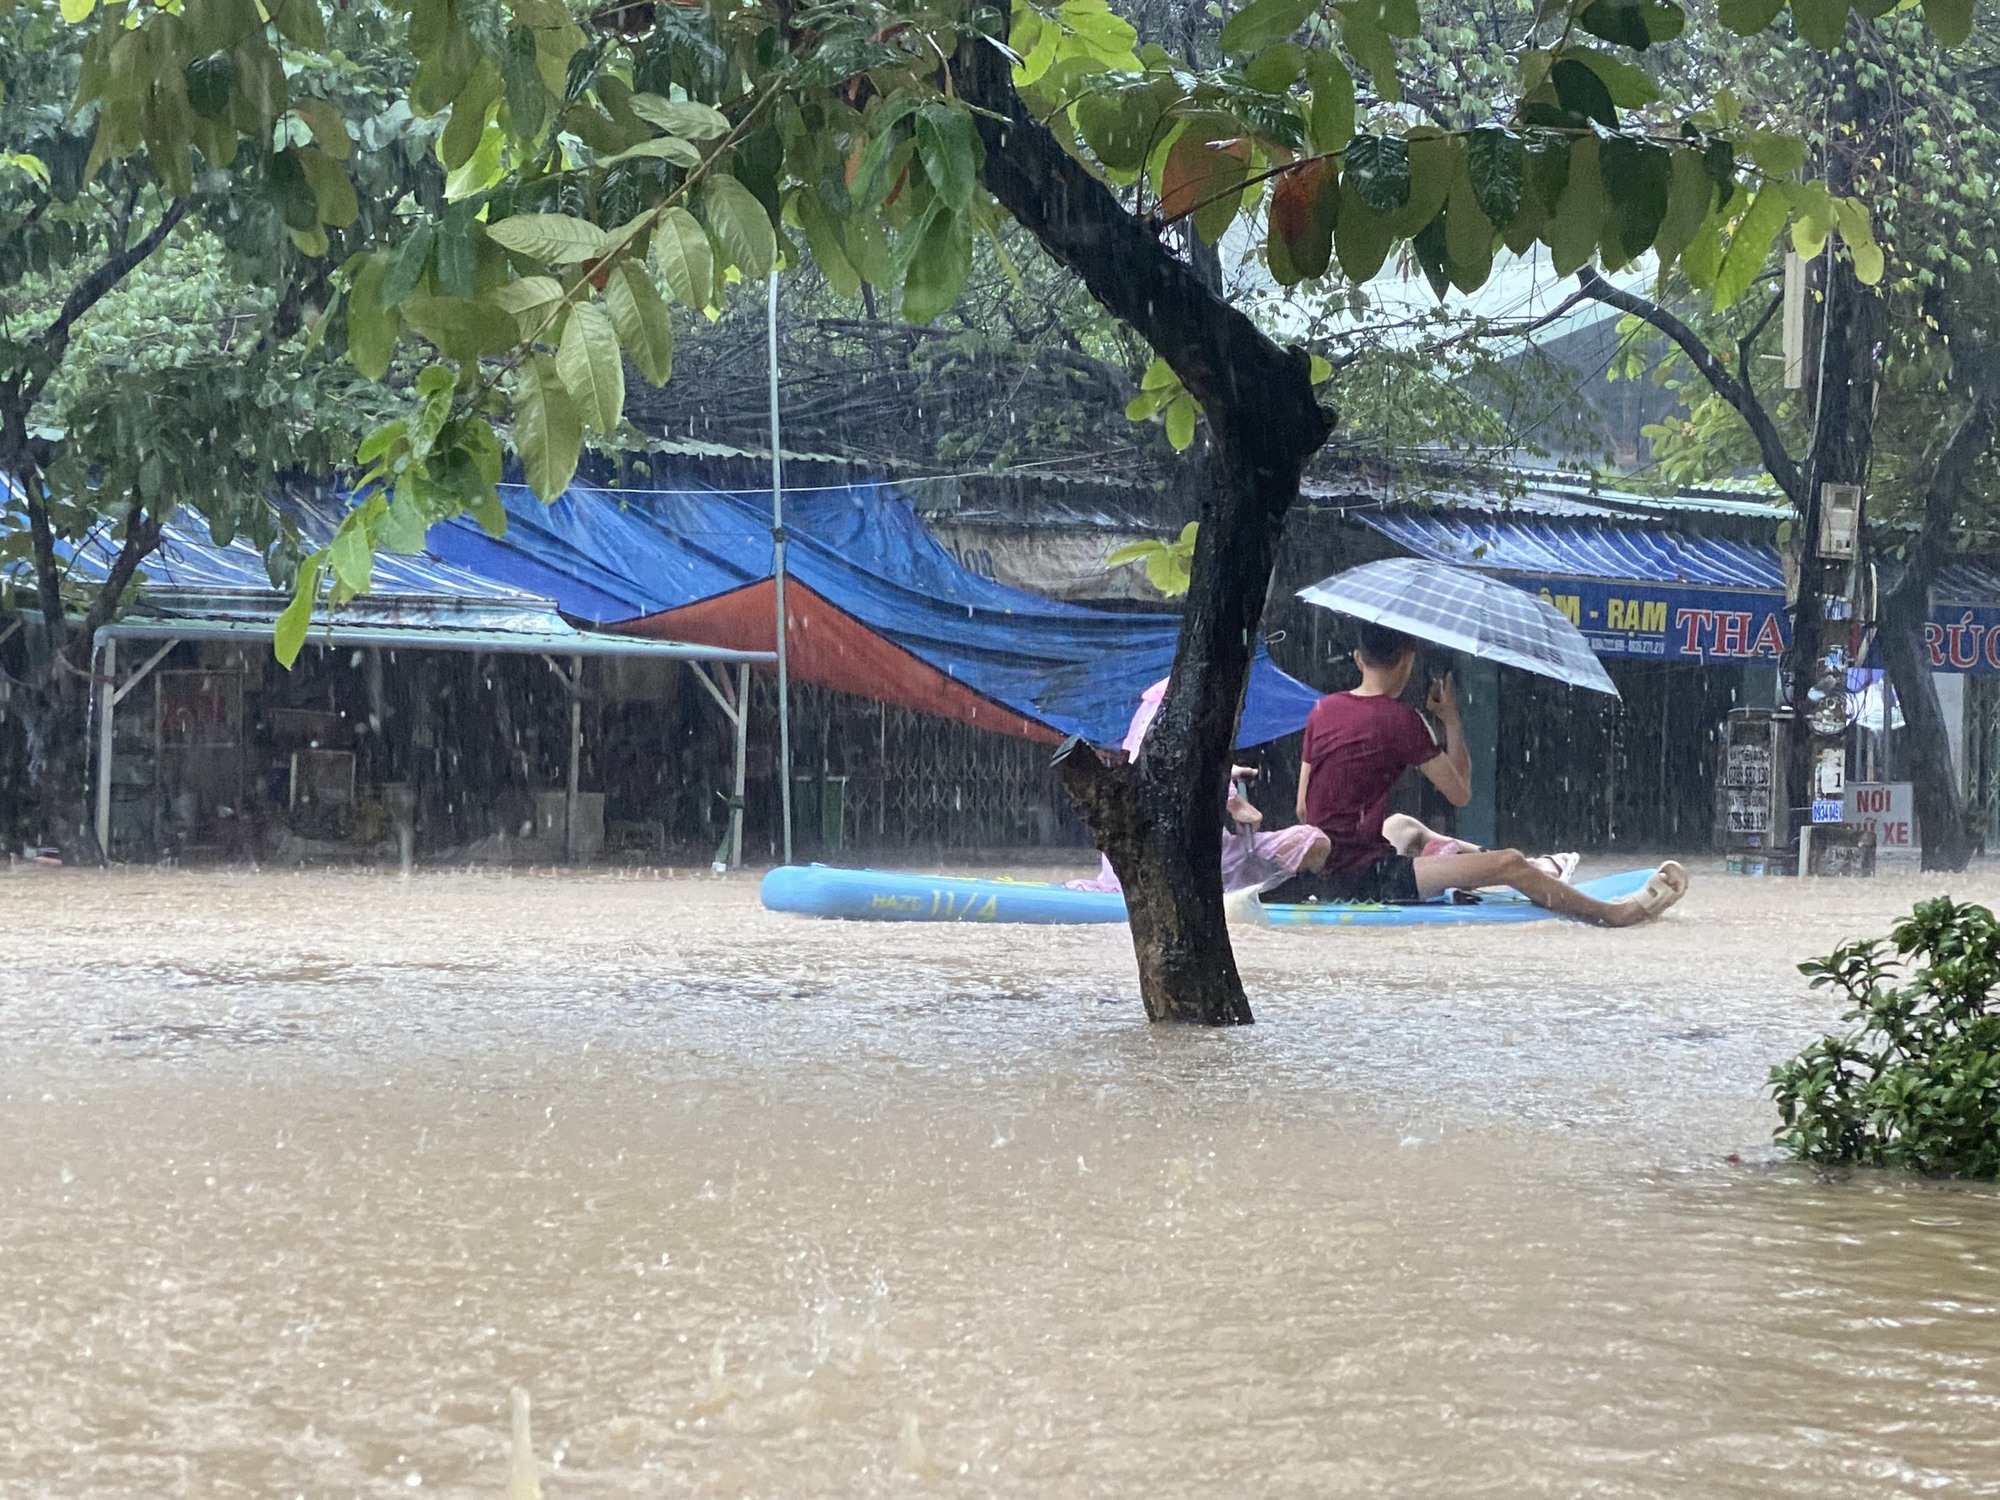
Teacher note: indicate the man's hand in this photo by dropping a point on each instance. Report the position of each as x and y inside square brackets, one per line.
[1443, 700]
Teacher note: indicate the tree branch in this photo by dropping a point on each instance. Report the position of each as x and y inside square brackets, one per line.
[1951, 476]
[1770, 446]
[1744, 344]
[87, 293]
[1239, 376]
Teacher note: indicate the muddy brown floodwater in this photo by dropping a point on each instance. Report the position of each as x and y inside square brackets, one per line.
[301, 1173]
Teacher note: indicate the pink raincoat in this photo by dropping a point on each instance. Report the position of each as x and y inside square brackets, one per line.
[1250, 858]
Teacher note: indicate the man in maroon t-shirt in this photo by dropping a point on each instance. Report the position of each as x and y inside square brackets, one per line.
[1358, 744]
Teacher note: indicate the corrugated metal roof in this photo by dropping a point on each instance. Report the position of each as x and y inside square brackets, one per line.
[1583, 550]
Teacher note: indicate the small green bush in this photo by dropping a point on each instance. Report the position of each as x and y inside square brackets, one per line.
[1918, 1085]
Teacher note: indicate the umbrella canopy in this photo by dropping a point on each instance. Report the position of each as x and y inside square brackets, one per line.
[1467, 612]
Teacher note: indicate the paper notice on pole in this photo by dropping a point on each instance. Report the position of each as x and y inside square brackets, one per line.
[1889, 807]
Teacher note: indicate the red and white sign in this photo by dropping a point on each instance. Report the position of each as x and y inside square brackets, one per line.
[1890, 808]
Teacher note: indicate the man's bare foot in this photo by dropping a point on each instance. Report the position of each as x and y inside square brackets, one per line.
[1668, 884]
[1243, 909]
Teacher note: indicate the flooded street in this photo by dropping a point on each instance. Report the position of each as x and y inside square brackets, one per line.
[305, 1171]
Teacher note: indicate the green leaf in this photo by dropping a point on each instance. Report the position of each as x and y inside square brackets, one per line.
[469, 112]
[403, 526]
[77, 11]
[742, 228]
[948, 146]
[556, 238]
[1620, 21]
[527, 98]
[1579, 217]
[1950, 20]
[1821, 22]
[1701, 260]
[938, 269]
[1497, 164]
[1638, 179]
[1748, 17]
[1434, 162]
[548, 434]
[406, 265]
[529, 300]
[1263, 22]
[352, 559]
[1776, 155]
[685, 118]
[1181, 414]
[1581, 92]
[682, 256]
[300, 21]
[461, 328]
[1273, 70]
[587, 360]
[1330, 120]
[371, 327]
[1688, 201]
[1751, 244]
[823, 238]
[209, 81]
[1468, 237]
[640, 315]
[331, 189]
[1369, 43]
[1378, 171]
[668, 147]
[457, 261]
[1361, 237]
[296, 619]
[323, 119]
[290, 193]
[1628, 84]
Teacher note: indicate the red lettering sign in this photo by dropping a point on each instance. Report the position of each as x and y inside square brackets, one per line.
[1732, 633]
[1693, 622]
[1769, 642]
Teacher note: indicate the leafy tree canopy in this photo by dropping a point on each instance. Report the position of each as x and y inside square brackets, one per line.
[598, 167]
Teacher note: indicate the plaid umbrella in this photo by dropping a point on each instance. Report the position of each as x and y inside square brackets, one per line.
[1467, 612]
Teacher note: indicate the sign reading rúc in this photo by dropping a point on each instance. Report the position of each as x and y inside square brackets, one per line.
[1669, 624]
[1889, 807]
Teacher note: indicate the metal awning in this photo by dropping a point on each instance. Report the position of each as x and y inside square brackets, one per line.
[365, 633]
[1551, 549]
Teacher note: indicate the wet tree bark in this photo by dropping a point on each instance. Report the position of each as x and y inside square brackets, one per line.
[1159, 820]
[1941, 816]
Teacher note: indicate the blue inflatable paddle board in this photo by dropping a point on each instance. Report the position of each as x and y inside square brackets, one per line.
[890, 896]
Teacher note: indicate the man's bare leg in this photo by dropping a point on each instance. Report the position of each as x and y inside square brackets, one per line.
[1509, 867]
[1411, 836]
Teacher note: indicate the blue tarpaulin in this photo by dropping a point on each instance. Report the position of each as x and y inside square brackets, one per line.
[697, 564]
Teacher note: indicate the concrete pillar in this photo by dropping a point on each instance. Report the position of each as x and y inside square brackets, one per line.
[1479, 709]
[1951, 702]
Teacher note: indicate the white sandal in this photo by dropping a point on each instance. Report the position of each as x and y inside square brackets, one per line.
[1559, 866]
[1668, 884]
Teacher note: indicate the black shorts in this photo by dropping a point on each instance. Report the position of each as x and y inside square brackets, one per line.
[1390, 881]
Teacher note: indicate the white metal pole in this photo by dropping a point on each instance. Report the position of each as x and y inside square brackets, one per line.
[107, 708]
[572, 839]
[778, 576]
[742, 755]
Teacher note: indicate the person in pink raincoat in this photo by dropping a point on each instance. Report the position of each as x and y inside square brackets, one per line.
[1252, 860]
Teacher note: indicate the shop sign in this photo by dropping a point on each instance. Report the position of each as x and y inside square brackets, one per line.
[1669, 624]
[1889, 807]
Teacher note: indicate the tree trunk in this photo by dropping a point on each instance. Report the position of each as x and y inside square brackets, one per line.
[1941, 823]
[1941, 817]
[1160, 820]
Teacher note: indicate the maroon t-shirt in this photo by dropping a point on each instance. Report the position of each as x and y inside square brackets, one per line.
[1358, 749]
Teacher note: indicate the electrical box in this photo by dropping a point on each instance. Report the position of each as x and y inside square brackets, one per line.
[1751, 808]
[1839, 519]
